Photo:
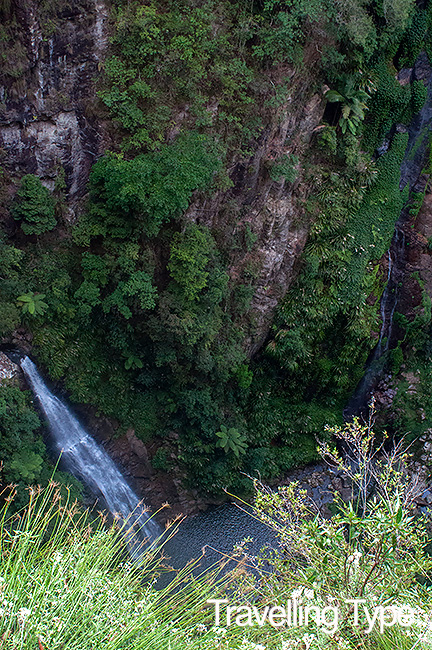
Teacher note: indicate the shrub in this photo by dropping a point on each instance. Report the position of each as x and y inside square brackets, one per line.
[328, 139]
[32, 303]
[190, 254]
[138, 196]
[285, 168]
[388, 105]
[418, 96]
[21, 447]
[373, 547]
[34, 206]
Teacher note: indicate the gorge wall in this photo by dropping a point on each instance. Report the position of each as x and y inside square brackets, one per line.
[51, 119]
[207, 266]
[48, 92]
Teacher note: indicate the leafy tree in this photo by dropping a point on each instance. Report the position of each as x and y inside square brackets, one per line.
[372, 548]
[137, 196]
[32, 303]
[139, 287]
[132, 361]
[34, 206]
[353, 102]
[397, 14]
[27, 464]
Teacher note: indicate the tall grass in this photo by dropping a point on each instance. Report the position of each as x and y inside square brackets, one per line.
[66, 581]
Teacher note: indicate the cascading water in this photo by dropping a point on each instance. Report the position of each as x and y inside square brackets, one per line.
[89, 462]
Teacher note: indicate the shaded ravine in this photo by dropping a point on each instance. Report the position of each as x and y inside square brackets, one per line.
[419, 132]
[84, 458]
[209, 536]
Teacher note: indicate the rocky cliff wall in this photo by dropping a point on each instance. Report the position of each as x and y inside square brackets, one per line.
[50, 118]
[273, 211]
[47, 94]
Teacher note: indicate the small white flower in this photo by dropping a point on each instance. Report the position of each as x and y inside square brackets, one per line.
[288, 645]
[309, 593]
[308, 640]
[250, 645]
[296, 593]
[356, 557]
[201, 628]
[23, 614]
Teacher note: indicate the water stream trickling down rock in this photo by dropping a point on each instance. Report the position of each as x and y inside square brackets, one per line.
[411, 174]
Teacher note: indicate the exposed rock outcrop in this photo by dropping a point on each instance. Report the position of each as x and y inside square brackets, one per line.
[9, 371]
[272, 210]
[46, 119]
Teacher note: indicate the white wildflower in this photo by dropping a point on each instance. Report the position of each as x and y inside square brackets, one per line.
[23, 614]
[356, 557]
[342, 643]
[249, 645]
[296, 593]
[201, 628]
[309, 593]
[308, 640]
[289, 644]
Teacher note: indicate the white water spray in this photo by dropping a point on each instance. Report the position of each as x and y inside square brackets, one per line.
[89, 462]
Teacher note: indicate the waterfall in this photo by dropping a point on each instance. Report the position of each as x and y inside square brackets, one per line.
[89, 462]
[383, 310]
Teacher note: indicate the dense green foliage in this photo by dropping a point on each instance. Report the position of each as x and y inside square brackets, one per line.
[135, 197]
[24, 457]
[138, 309]
[34, 206]
[21, 451]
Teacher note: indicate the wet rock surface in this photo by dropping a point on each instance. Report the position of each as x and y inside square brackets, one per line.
[8, 370]
[46, 119]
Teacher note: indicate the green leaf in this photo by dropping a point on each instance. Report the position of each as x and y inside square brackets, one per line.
[334, 96]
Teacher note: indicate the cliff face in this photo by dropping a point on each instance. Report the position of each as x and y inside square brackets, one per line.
[50, 118]
[273, 211]
[47, 96]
